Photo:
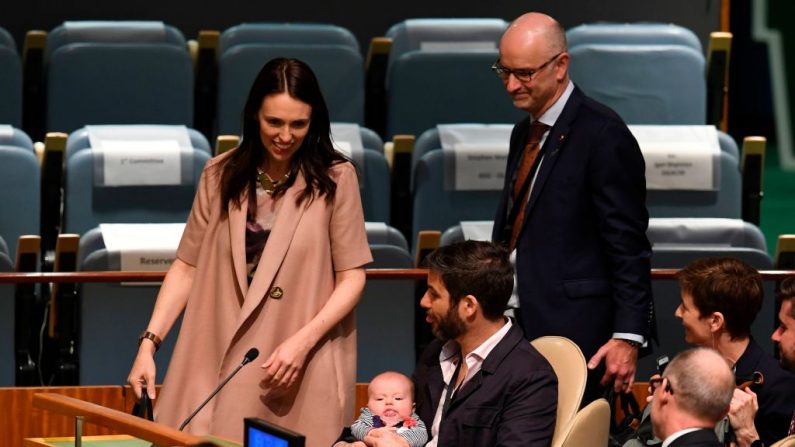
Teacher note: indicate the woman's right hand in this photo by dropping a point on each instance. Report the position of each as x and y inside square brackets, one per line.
[142, 373]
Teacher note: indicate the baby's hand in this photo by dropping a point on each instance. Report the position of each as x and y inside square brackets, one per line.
[381, 430]
[385, 437]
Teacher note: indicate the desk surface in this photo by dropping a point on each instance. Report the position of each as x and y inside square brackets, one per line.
[107, 441]
[88, 441]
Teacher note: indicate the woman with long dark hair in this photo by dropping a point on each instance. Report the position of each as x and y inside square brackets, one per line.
[272, 257]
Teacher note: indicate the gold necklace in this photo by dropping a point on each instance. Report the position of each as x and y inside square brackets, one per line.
[267, 183]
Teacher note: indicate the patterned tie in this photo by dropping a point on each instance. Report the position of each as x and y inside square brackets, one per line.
[537, 130]
[792, 425]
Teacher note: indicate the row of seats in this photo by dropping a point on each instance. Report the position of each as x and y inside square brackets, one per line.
[81, 180]
[86, 347]
[423, 72]
[446, 186]
[675, 243]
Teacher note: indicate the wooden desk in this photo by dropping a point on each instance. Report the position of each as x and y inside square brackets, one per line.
[107, 441]
[88, 441]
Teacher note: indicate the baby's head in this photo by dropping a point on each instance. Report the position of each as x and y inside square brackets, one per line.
[391, 396]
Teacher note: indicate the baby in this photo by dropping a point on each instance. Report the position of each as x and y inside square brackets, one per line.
[390, 404]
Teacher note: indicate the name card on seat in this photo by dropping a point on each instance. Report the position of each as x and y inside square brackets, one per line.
[477, 230]
[679, 157]
[140, 155]
[347, 139]
[475, 155]
[132, 163]
[143, 247]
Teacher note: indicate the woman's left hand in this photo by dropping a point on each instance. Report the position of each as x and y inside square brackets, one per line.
[284, 365]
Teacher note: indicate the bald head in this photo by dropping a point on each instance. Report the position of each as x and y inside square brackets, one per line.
[533, 32]
[703, 383]
[534, 49]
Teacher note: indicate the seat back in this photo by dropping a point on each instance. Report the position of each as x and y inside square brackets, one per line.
[82, 138]
[10, 81]
[569, 364]
[438, 72]
[87, 202]
[374, 186]
[386, 304]
[665, 85]
[102, 73]
[691, 171]
[331, 51]
[438, 204]
[726, 201]
[590, 426]
[104, 347]
[646, 33]
[439, 34]
[366, 150]
[20, 187]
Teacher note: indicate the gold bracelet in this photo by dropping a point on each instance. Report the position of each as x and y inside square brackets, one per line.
[150, 336]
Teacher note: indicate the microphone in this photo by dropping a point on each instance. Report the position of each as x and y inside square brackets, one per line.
[250, 355]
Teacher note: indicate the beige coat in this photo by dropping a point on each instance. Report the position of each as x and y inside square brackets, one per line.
[225, 317]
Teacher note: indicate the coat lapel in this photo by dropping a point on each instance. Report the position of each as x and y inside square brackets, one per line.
[553, 145]
[237, 237]
[287, 219]
[490, 365]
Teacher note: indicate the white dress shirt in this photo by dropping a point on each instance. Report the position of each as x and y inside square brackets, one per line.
[448, 360]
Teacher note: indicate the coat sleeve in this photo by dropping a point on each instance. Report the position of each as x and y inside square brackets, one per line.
[528, 418]
[349, 247]
[618, 183]
[190, 244]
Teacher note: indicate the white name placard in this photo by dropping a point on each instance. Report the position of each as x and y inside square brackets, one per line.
[153, 162]
[477, 230]
[479, 166]
[679, 157]
[143, 247]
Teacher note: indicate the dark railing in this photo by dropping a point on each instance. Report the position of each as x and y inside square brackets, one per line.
[85, 277]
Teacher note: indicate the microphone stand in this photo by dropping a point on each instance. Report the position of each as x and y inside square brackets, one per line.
[248, 358]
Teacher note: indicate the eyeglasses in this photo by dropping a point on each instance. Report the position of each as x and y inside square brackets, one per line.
[522, 74]
[657, 381]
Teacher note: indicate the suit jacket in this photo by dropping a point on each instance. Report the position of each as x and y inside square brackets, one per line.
[225, 315]
[776, 395]
[699, 438]
[511, 401]
[583, 259]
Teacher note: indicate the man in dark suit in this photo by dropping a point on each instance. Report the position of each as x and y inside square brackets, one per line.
[503, 393]
[691, 397]
[573, 209]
